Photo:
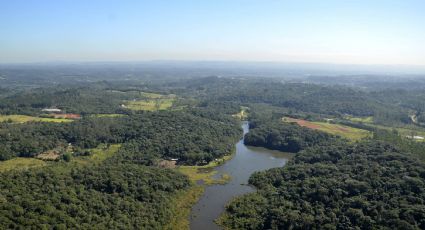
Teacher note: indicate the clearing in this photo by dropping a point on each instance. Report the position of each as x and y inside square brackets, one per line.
[99, 154]
[25, 118]
[151, 102]
[367, 120]
[336, 129]
[20, 163]
[243, 114]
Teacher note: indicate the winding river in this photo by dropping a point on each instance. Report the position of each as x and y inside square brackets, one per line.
[246, 161]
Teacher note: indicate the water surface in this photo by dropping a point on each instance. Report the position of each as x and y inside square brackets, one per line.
[246, 161]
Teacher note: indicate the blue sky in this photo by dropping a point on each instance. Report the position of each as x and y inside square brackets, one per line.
[325, 31]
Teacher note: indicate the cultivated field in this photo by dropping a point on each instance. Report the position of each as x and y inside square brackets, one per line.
[336, 129]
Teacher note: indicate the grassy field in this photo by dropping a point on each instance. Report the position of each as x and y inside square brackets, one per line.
[20, 163]
[182, 205]
[367, 120]
[99, 154]
[404, 131]
[151, 95]
[205, 173]
[411, 130]
[107, 115]
[25, 118]
[151, 102]
[336, 129]
[243, 114]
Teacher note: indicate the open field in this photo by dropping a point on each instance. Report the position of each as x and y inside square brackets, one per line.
[150, 105]
[107, 115]
[336, 129]
[151, 95]
[151, 102]
[243, 114]
[20, 163]
[99, 154]
[368, 120]
[205, 173]
[411, 130]
[404, 131]
[25, 118]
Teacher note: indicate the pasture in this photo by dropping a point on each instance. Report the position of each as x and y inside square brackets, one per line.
[367, 120]
[20, 163]
[243, 114]
[151, 102]
[25, 118]
[335, 129]
[99, 154]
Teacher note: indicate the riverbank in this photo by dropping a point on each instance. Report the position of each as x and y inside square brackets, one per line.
[200, 176]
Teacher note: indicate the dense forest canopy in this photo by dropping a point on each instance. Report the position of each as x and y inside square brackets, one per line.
[365, 186]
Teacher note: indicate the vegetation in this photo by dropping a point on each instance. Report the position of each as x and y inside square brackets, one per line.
[366, 186]
[152, 102]
[24, 118]
[284, 136]
[20, 163]
[108, 174]
[85, 198]
[335, 129]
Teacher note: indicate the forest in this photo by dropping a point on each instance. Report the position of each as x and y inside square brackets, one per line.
[370, 185]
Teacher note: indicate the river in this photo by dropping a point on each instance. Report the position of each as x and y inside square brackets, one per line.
[246, 161]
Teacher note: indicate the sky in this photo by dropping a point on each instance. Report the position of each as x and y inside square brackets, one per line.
[389, 32]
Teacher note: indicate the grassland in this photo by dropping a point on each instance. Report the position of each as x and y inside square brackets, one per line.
[367, 120]
[151, 102]
[25, 118]
[151, 95]
[182, 205]
[408, 130]
[243, 114]
[108, 115]
[99, 154]
[205, 173]
[335, 129]
[20, 163]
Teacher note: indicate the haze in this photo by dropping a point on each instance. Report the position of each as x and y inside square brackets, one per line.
[350, 32]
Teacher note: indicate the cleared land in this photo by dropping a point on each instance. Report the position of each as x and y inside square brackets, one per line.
[336, 129]
[107, 115]
[99, 154]
[368, 120]
[25, 118]
[21, 163]
[151, 102]
[243, 114]
[407, 131]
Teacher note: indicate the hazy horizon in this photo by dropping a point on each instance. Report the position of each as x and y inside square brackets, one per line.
[326, 32]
